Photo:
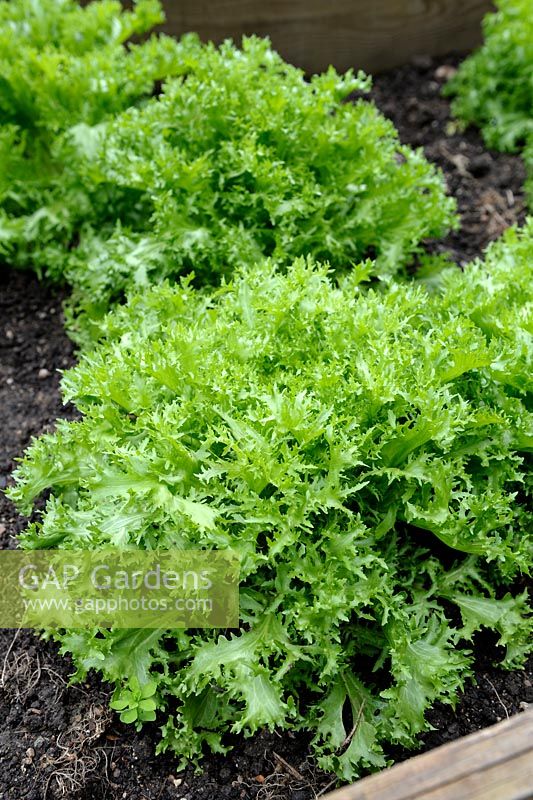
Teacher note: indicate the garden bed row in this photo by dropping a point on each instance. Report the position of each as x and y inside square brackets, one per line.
[57, 740]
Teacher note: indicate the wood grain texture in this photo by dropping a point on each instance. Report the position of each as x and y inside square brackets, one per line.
[493, 764]
[368, 34]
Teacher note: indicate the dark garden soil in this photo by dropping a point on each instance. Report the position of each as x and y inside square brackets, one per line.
[61, 741]
[487, 185]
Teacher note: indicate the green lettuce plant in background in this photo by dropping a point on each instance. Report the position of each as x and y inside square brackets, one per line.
[237, 158]
[493, 88]
[61, 66]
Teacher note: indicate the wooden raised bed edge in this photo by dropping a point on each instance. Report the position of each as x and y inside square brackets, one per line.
[495, 763]
[363, 34]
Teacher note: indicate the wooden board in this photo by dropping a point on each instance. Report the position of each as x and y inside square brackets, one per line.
[367, 34]
[493, 764]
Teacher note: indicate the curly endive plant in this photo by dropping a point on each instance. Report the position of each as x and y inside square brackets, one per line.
[493, 88]
[61, 66]
[364, 452]
[238, 157]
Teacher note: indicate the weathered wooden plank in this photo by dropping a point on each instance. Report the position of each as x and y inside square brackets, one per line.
[368, 34]
[512, 780]
[493, 764]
